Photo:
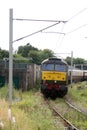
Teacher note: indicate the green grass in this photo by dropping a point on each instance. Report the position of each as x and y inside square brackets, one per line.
[78, 91]
[78, 94]
[31, 112]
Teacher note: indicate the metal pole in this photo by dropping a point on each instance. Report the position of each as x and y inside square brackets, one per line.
[10, 54]
[71, 66]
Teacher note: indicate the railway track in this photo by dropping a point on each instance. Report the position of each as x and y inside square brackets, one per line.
[71, 116]
[74, 107]
[67, 124]
[70, 126]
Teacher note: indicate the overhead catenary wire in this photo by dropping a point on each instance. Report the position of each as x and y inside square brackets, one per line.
[58, 21]
[77, 14]
[67, 32]
[42, 20]
[73, 18]
[81, 11]
[69, 20]
[73, 29]
[39, 20]
[54, 32]
[36, 32]
[76, 28]
[61, 39]
[61, 32]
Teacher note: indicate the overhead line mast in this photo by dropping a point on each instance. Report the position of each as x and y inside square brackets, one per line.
[10, 55]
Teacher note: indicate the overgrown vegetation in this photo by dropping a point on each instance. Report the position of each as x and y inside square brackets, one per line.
[29, 113]
[78, 96]
[78, 92]
[29, 110]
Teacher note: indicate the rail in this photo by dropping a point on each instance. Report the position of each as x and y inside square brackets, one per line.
[70, 125]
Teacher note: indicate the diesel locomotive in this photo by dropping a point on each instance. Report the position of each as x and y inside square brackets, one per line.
[54, 77]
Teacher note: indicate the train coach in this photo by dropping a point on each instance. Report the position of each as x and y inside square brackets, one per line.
[78, 75]
[54, 77]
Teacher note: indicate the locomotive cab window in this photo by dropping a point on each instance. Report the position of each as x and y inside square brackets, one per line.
[60, 68]
[56, 67]
[48, 67]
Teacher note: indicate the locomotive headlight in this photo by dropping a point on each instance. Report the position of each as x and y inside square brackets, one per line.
[55, 81]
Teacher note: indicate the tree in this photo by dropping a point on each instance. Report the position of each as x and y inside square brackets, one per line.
[75, 60]
[3, 54]
[24, 50]
[46, 53]
[37, 55]
[40, 55]
[68, 60]
[79, 61]
[17, 58]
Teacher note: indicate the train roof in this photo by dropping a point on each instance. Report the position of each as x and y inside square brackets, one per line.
[54, 60]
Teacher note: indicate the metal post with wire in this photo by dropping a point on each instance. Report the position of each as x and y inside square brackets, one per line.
[10, 55]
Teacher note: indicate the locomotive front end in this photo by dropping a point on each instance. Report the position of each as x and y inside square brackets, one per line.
[54, 77]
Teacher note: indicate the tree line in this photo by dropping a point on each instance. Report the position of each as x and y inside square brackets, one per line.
[30, 54]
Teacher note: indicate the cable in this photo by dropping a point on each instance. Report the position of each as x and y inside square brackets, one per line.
[36, 32]
[77, 28]
[49, 26]
[19, 19]
[54, 32]
[60, 39]
[38, 20]
[73, 18]
[77, 14]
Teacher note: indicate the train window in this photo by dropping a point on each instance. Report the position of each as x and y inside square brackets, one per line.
[48, 67]
[62, 68]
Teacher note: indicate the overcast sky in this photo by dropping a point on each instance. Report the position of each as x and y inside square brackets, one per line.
[71, 35]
